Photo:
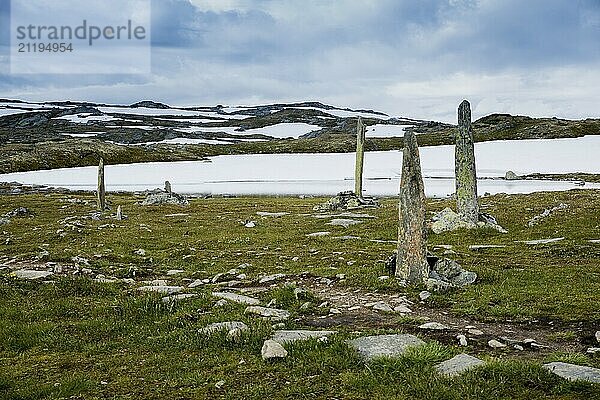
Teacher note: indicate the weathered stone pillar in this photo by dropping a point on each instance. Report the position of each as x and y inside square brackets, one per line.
[411, 264]
[360, 155]
[168, 187]
[464, 158]
[101, 188]
[119, 214]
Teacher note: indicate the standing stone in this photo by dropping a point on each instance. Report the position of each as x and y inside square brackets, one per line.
[168, 187]
[119, 214]
[411, 262]
[464, 157]
[360, 155]
[101, 188]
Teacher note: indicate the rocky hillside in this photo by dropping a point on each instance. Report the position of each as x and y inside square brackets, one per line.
[64, 134]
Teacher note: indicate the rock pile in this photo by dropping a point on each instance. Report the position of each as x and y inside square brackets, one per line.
[346, 201]
[448, 220]
[160, 198]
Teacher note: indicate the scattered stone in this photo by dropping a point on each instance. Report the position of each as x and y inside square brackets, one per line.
[494, 344]
[371, 347]
[318, 234]
[382, 306]
[518, 347]
[344, 222]
[4, 221]
[402, 309]
[140, 252]
[178, 297]
[161, 198]
[436, 285]
[223, 326]
[383, 277]
[283, 337]
[543, 241]
[475, 332]
[546, 213]
[220, 384]
[347, 237]
[20, 212]
[271, 313]
[511, 176]
[462, 340]
[593, 350]
[334, 311]
[573, 372]
[271, 349]
[424, 295]
[458, 364]
[271, 214]
[221, 303]
[31, 274]
[598, 336]
[172, 272]
[250, 224]
[271, 278]
[345, 201]
[476, 247]
[434, 326]
[161, 289]
[236, 298]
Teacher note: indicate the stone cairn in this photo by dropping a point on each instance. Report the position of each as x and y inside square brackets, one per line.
[101, 192]
[412, 263]
[360, 155]
[166, 196]
[467, 215]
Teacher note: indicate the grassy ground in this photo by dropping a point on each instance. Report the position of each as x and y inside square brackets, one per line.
[76, 338]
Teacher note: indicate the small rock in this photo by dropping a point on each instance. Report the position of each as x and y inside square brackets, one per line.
[220, 384]
[172, 272]
[271, 214]
[341, 276]
[511, 176]
[494, 344]
[402, 309]
[593, 350]
[382, 306]
[140, 252]
[221, 303]
[161, 289]
[223, 326]
[424, 295]
[334, 311]
[462, 340]
[542, 241]
[196, 283]
[250, 224]
[598, 336]
[291, 336]
[458, 364]
[518, 347]
[271, 278]
[434, 326]
[271, 313]
[343, 222]
[371, 347]
[573, 372]
[178, 297]
[383, 278]
[271, 349]
[31, 274]
[236, 298]
[318, 234]
[475, 332]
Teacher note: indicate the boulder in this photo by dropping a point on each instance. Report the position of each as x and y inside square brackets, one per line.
[511, 176]
[272, 350]
[156, 199]
[371, 347]
[573, 372]
[448, 220]
[458, 364]
[345, 201]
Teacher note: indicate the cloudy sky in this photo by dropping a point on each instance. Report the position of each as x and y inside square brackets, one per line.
[415, 58]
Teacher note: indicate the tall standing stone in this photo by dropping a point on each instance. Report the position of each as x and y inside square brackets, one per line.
[411, 264]
[101, 188]
[168, 187]
[360, 155]
[464, 158]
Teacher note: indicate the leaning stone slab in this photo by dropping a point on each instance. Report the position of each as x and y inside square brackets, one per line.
[573, 372]
[31, 274]
[271, 313]
[237, 298]
[458, 364]
[384, 345]
[223, 326]
[161, 289]
[283, 337]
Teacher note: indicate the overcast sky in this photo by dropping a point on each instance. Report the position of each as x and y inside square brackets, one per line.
[415, 58]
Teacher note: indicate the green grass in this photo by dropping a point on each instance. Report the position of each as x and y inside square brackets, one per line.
[76, 338]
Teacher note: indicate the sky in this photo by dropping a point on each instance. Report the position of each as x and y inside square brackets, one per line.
[412, 58]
